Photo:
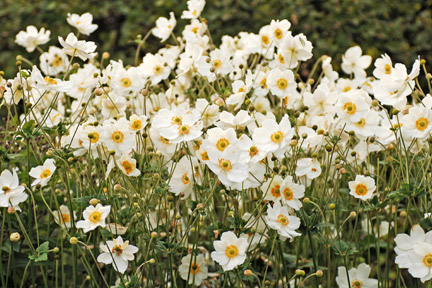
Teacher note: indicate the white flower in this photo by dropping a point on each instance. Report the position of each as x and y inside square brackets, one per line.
[405, 243]
[195, 8]
[48, 83]
[83, 23]
[228, 120]
[127, 165]
[362, 187]
[117, 253]
[291, 193]
[43, 173]
[63, 217]
[272, 188]
[94, 217]
[417, 123]
[31, 38]
[309, 167]
[164, 27]
[281, 82]
[11, 193]
[278, 218]
[154, 68]
[383, 66]
[195, 269]
[421, 261]
[273, 137]
[359, 277]
[352, 106]
[295, 49]
[230, 251]
[186, 173]
[54, 61]
[80, 48]
[227, 165]
[117, 136]
[280, 29]
[354, 62]
[137, 123]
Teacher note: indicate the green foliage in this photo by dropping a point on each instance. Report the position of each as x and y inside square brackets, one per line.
[397, 27]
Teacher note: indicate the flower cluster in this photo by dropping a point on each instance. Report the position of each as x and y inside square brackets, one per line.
[227, 144]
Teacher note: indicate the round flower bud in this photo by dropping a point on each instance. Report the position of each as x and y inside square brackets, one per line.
[14, 237]
[94, 201]
[332, 206]
[11, 210]
[300, 273]
[73, 240]
[248, 272]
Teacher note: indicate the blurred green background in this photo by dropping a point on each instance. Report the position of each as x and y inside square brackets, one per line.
[401, 28]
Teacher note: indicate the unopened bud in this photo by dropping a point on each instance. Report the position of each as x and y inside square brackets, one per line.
[105, 55]
[117, 187]
[319, 273]
[94, 201]
[11, 210]
[332, 206]
[14, 237]
[154, 234]
[248, 272]
[306, 200]
[300, 273]
[353, 214]
[73, 240]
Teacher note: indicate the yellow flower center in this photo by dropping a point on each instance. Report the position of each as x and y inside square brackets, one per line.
[126, 82]
[222, 144]
[6, 189]
[276, 137]
[127, 166]
[275, 191]
[216, 63]
[263, 83]
[195, 30]
[95, 216]
[136, 125]
[177, 120]
[288, 193]
[50, 81]
[65, 218]
[356, 283]
[231, 251]
[278, 33]
[281, 59]
[57, 61]
[204, 156]
[282, 219]
[195, 268]
[422, 123]
[164, 140]
[184, 129]
[225, 164]
[361, 123]
[361, 189]
[346, 89]
[94, 137]
[427, 260]
[253, 150]
[117, 136]
[350, 108]
[387, 69]
[265, 39]
[185, 179]
[282, 83]
[45, 174]
[117, 249]
[157, 70]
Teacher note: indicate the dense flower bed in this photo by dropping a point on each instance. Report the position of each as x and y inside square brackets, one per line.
[213, 166]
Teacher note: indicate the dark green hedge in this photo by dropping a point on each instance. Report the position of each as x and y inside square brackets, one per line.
[401, 28]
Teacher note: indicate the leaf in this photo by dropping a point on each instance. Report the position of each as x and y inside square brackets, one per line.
[28, 128]
[41, 253]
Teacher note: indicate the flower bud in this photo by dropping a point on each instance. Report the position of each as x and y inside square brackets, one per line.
[94, 201]
[300, 273]
[248, 272]
[319, 273]
[73, 240]
[14, 237]
[11, 210]
[332, 206]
